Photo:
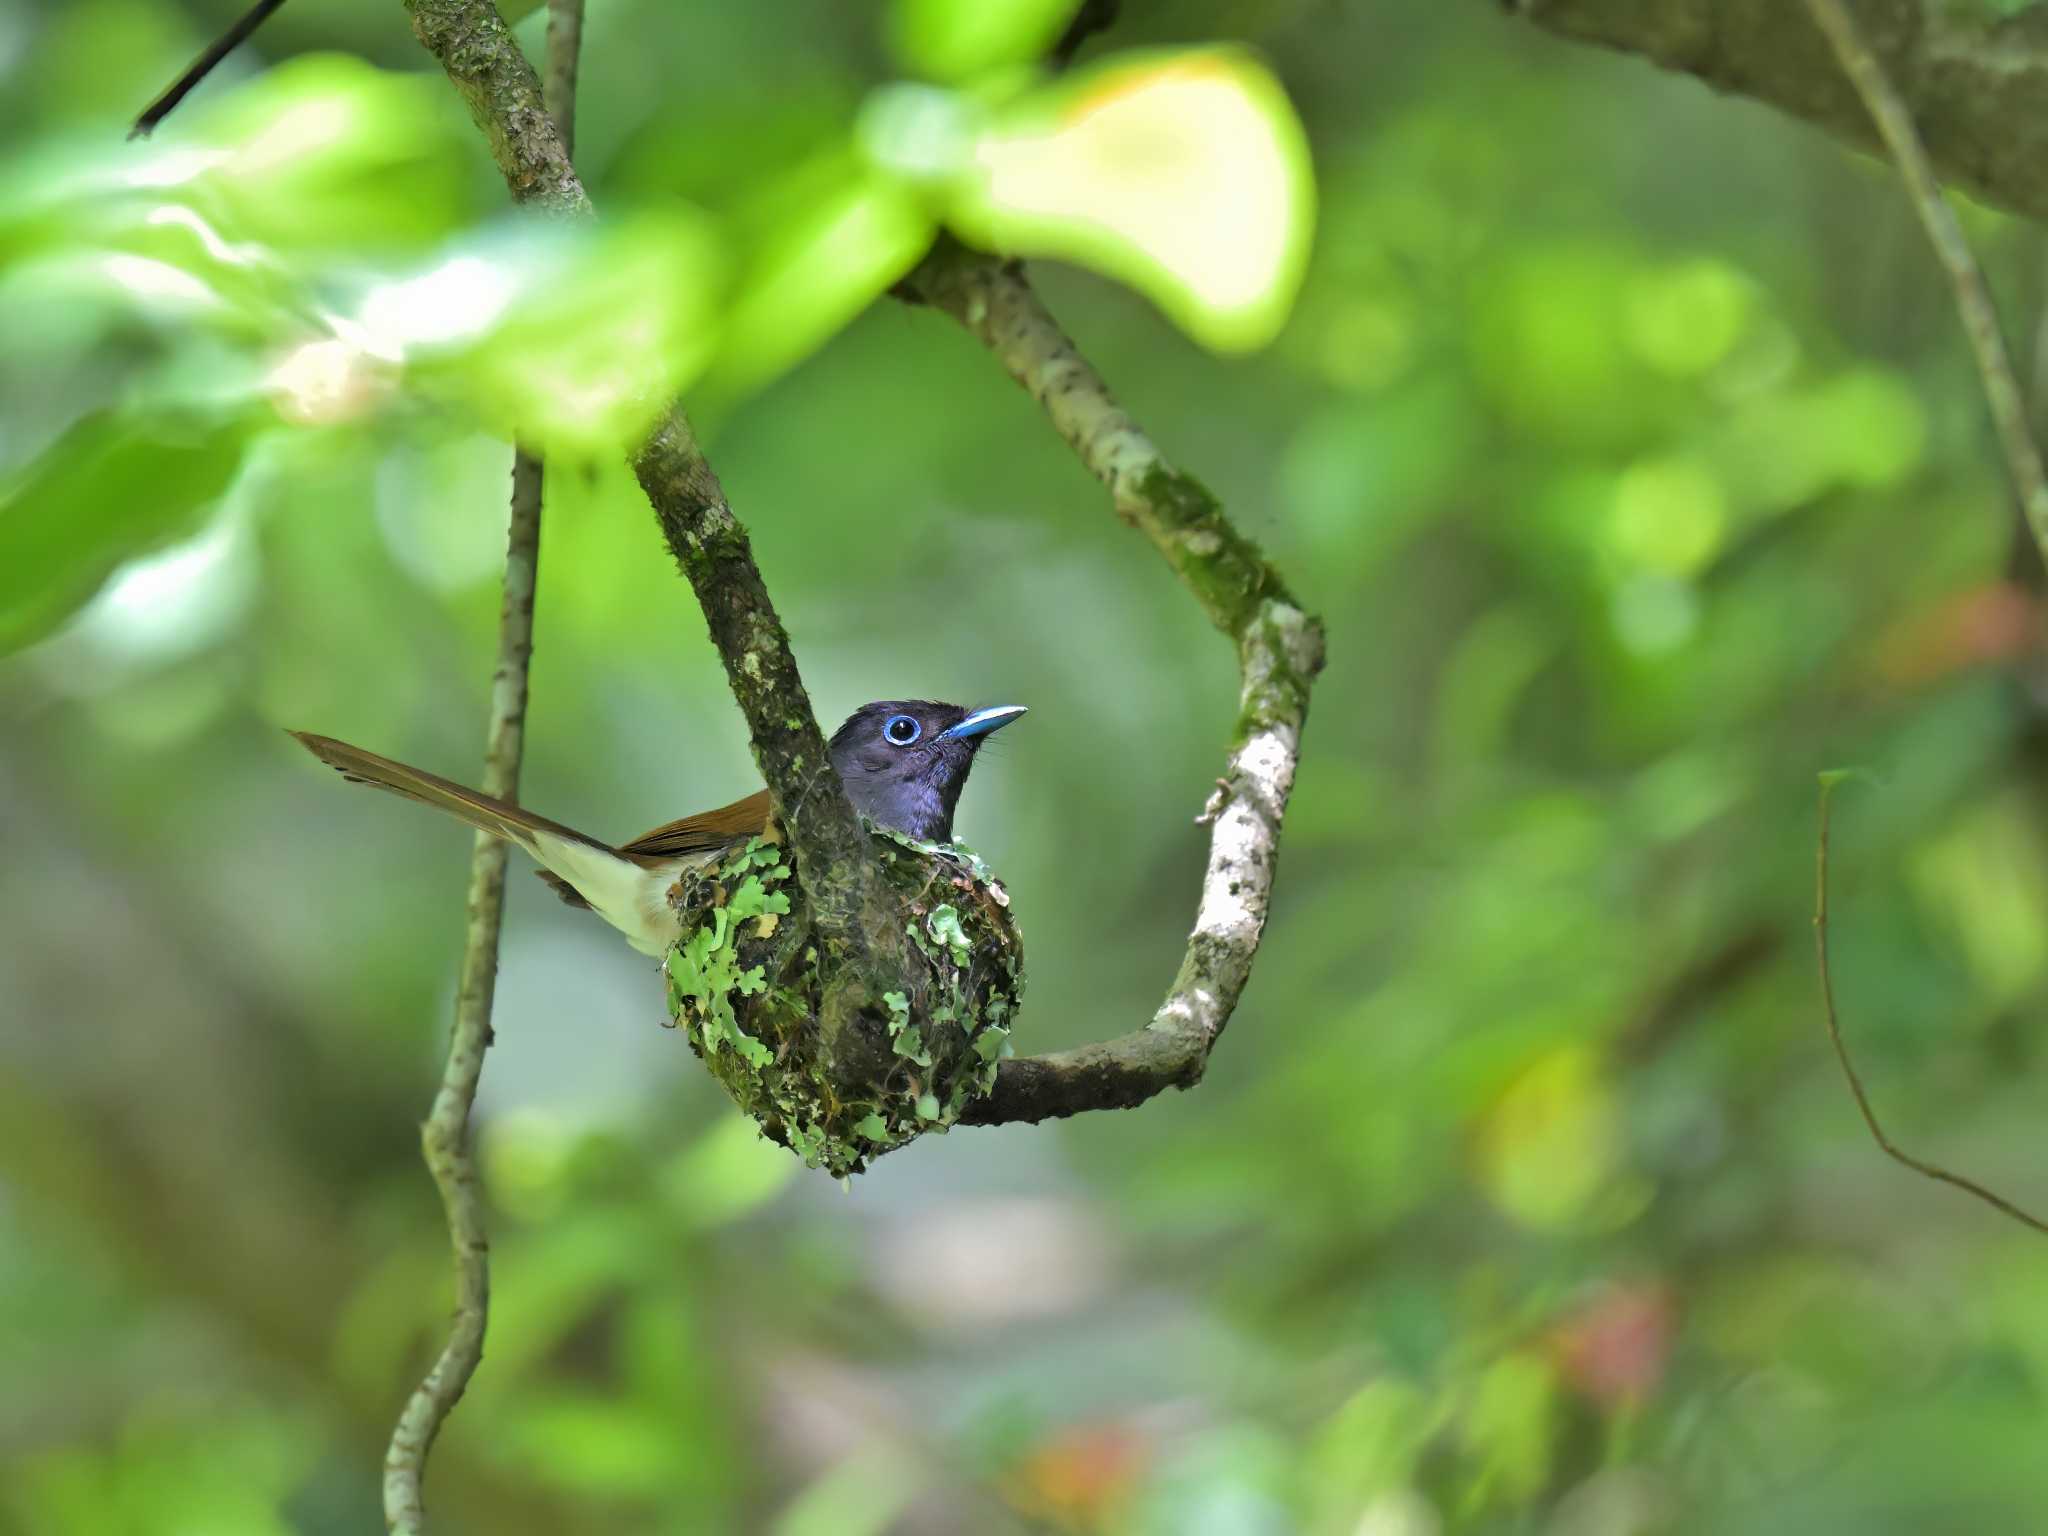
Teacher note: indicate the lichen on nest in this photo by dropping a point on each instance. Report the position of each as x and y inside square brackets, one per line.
[744, 985]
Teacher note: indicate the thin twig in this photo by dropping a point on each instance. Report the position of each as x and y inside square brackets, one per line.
[445, 1138]
[202, 66]
[1827, 997]
[1973, 298]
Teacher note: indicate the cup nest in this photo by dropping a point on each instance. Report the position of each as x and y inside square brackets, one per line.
[745, 986]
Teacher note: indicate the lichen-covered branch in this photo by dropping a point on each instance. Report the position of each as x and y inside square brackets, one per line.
[1279, 651]
[1972, 75]
[484, 62]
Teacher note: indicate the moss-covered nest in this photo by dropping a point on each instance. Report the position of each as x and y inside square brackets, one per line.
[744, 984]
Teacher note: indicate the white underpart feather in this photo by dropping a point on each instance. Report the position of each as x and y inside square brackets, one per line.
[631, 897]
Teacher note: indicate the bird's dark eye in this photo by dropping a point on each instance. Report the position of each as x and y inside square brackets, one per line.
[902, 730]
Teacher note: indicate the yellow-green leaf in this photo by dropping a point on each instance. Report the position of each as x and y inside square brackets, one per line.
[1183, 174]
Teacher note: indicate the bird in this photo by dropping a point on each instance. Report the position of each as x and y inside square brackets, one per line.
[904, 763]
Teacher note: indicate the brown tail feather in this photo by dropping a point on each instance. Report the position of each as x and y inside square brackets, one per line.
[481, 811]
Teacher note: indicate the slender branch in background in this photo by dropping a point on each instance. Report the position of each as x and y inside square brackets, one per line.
[202, 66]
[1828, 782]
[445, 1138]
[834, 858]
[1279, 652]
[1894, 121]
[1973, 298]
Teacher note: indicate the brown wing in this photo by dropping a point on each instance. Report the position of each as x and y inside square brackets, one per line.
[704, 832]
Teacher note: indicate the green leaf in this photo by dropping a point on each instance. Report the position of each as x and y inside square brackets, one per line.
[570, 339]
[989, 1044]
[911, 1044]
[824, 244]
[327, 152]
[872, 1126]
[117, 485]
[1185, 175]
[958, 39]
[928, 1106]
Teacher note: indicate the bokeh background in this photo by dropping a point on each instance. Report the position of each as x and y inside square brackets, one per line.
[1625, 440]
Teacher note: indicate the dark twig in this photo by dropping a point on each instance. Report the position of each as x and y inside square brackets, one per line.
[446, 1137]
[202, 66]
[1973, 298]
[1827, 997]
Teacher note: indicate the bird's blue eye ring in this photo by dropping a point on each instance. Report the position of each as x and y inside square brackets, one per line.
[902, 730]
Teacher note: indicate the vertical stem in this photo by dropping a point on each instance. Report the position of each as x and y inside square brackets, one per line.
[446, 1139]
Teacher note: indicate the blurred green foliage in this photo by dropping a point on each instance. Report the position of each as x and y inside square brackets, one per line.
[1621, 434]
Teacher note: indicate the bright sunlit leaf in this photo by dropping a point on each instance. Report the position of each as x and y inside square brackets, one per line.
[571, 339]
[957, 39]
[1185, 175]
[117, 485]
[326, 152]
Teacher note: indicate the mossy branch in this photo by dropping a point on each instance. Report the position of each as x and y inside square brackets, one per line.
[1279, 652]
[834, 861]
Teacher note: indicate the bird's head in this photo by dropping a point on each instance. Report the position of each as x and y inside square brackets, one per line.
[905, 761]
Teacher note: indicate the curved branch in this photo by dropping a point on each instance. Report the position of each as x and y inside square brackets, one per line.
[834, 859]
[1279, 652]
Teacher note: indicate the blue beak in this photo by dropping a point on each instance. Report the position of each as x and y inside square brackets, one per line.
[982, 721]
